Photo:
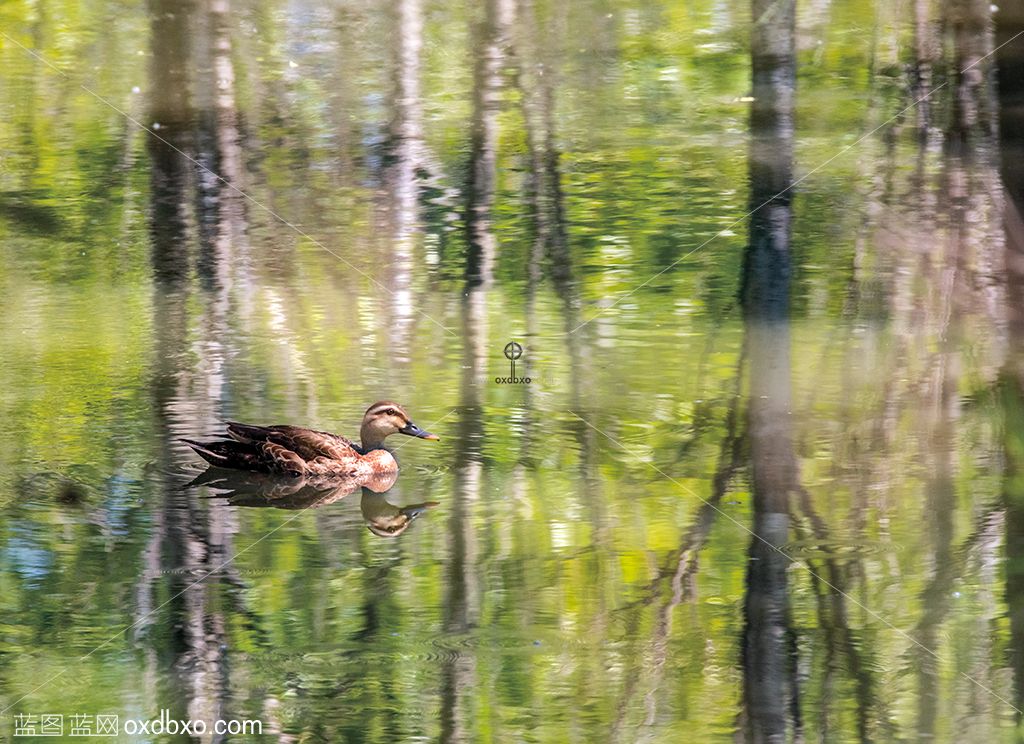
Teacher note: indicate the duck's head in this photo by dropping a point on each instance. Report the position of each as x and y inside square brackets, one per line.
[385, 418]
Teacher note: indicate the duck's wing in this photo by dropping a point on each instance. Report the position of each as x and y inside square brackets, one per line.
[282, 459]
[306, 443]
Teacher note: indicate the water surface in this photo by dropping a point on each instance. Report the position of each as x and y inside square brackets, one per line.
[764, 483]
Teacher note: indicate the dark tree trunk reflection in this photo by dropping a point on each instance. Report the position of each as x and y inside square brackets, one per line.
[535, 78]
[171, 110]
[1011, 123]
[462, 602]
[771, 709]
[461, 598]
[971, 22]
[490, 56]
[220, 209]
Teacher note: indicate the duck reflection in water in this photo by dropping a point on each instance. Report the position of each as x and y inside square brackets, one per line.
[382, 518]
[284, 491]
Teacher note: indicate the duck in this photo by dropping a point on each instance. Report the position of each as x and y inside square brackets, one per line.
[297, 452]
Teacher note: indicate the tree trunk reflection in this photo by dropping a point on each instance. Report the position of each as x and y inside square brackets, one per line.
[1011, 124]
[193, 82]
[461, 596]
[487, 83]
[401, 176]
[171, 111]
[770, 695]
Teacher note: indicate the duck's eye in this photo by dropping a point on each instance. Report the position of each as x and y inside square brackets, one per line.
[391, 412]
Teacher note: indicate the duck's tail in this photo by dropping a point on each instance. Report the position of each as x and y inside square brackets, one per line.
[204, 450]
[225, 454]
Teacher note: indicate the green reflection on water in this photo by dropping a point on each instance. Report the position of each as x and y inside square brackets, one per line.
[563, 588]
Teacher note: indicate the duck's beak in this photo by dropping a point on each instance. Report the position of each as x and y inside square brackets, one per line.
[412, 430]
[415, 510]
